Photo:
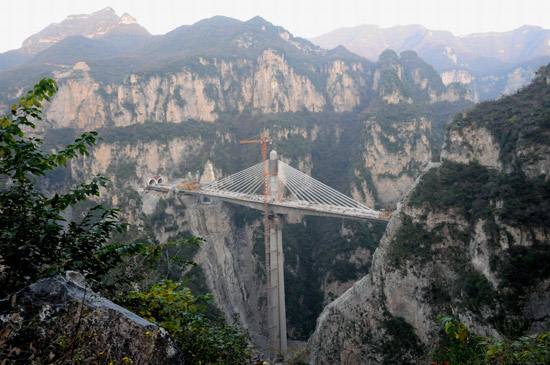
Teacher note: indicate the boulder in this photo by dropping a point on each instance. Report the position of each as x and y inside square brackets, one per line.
[61, 320]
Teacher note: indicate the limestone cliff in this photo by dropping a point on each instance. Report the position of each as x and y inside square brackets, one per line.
[231, 260]
[470, 240]
[507, 133]
[201, 92]
[394, 154]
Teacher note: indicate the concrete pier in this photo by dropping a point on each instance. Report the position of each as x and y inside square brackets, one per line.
[276, 284]
[276, 287]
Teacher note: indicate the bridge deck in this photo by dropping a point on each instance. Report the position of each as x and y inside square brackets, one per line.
[307, 208]
[257, 201]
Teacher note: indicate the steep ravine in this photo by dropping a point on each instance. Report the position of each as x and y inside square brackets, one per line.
[231, 258]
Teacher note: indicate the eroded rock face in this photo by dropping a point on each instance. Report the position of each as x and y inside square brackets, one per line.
[394, 156]
[60, 320]
[232, 272]
[267, 84]
[472, 144]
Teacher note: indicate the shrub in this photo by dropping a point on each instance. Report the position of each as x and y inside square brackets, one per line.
[172, 306]
[36, 241]
[462, 347]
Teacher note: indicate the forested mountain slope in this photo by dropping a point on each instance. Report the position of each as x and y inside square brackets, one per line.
[471, 240]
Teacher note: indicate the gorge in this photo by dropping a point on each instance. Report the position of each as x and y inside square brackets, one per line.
[179, 103]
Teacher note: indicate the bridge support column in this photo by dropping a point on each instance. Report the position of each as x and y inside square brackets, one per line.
[276, 287]
[276, 284]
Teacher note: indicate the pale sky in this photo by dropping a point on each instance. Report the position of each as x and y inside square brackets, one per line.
[304, 18]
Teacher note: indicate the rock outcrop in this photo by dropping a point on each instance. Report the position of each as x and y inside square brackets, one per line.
[265, 85]
[61, 320]
[394, 155]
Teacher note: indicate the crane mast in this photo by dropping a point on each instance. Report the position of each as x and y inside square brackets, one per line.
[264, 141]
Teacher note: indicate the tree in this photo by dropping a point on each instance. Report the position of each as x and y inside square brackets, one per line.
[35, 240]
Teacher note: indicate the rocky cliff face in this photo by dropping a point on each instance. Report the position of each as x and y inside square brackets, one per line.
[327, 145]
[400, 138]
[510, 137]
[232, 271]
[266, 85]
[393, 156]
[470, 240]
[362, 128]
[226, 258]
[229, 68]
[231, 258]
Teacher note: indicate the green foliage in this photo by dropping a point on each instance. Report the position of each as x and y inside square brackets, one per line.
[479, 193]
[515, 121]
[519, 269]
[462, 347]
[315, 251]
[477, 289]
[173, 306]
[35, 240]
[473, 190]
[412, 241]
[146, 265]
[344, 271]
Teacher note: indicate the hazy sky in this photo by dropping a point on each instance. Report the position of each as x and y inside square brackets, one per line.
[304, 18]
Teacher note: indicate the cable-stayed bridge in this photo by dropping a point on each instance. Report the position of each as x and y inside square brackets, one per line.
[278, 189]
[293, 190]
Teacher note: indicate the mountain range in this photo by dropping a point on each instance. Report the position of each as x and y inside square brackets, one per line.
[491, 63]
[104, 26]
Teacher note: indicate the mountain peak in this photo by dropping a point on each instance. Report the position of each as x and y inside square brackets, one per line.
[94, 25]
[388, 57]
[106, 10]
[257, 19]
[127, 19]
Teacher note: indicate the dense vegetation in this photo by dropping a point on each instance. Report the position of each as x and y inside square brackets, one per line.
[461, 346]
[480, 194]
[37, 242]
[317, 253]
[515, 121]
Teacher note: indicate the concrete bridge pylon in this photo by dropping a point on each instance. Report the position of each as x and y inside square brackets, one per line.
[275, 278]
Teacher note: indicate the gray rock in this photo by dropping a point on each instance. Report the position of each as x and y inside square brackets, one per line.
[60, 320]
